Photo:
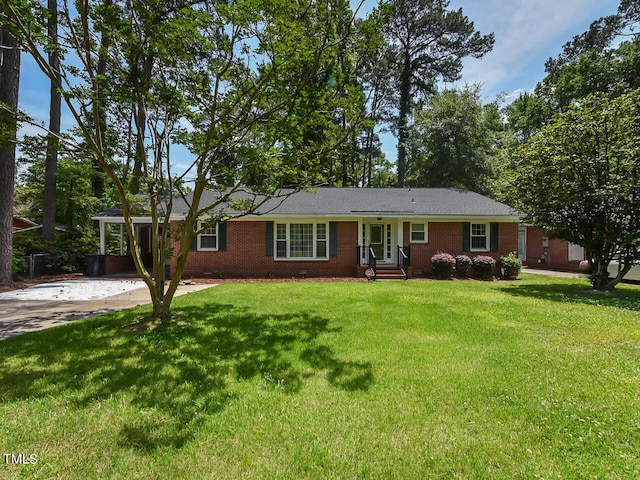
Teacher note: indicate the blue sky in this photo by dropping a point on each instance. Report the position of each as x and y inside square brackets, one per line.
[527, 33]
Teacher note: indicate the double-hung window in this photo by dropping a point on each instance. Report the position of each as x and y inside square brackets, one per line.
[418, 232]
[301, 241]
[208, 238]
[479, 237]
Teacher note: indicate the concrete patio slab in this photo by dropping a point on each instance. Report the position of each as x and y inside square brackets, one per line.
[50, 304]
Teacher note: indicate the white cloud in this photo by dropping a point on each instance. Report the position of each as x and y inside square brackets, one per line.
[527, 33]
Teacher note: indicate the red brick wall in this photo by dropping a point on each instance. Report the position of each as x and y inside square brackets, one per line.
[124, 263]
[246, 256]
[447, 237]
[118, 264]
[555, 256]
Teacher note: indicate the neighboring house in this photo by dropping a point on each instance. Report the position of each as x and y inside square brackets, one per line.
[545, 252]
[335, 231]
[20, 223]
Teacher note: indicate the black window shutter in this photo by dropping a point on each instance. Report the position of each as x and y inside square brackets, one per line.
[194, 241]
[222, 236]
[466, 237]
[333, 239]
[495, 231]
[270, 239]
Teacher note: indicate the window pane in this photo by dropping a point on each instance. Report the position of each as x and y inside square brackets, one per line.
[281, 232]
[478, 242]
[208, 237]
[418, 232]
[301, 240]
[478, 229]
[208, 241]
[321, 248]
[281, 249]
[376, 234]
[479, 236]
[321, 231]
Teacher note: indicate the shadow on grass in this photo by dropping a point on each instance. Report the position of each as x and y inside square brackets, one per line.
[173, 377]
[624, 297]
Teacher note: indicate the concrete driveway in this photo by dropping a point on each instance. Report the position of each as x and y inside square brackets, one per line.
[56, 303]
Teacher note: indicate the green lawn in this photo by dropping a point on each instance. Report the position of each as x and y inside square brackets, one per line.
[537, 378]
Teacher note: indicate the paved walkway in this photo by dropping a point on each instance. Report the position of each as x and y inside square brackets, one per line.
[20, 313]
[553, 273]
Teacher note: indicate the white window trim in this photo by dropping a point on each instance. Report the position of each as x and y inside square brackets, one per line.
[487, 229]
[288, 258]
[201, 234]
[426, 232]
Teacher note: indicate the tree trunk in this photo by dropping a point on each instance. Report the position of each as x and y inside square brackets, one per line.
[9, 84]
[51, 162]
[403, 119]
[600, 276]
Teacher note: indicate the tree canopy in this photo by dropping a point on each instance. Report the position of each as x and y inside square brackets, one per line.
[427, 43]
[452, 142]
[249, 88]
[580, 178]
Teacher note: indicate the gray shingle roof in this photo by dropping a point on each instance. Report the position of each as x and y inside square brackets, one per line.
[363, 202]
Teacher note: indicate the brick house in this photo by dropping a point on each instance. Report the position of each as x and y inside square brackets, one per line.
[343, 232]
[545, 252]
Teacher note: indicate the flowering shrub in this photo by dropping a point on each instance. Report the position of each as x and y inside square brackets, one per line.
[483, 266]
[510, 266]
[442, 264]
[463, 266]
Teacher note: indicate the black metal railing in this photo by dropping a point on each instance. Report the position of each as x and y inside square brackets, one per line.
[404, 260]
[372, 262]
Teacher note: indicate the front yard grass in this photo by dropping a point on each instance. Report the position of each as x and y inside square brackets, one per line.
[536, 378]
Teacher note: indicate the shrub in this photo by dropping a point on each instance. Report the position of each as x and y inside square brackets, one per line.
[19, 266]
[510, 266]
[463, 266]
[442, 264]
[67, 250]
[483, 266]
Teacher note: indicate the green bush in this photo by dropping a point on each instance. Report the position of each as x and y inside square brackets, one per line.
[19, 266]
[510, 266]
[442, 264]
[483, 266]
[67, 250]
[463, 266]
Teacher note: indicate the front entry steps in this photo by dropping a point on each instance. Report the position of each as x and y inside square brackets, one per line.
[389, 273]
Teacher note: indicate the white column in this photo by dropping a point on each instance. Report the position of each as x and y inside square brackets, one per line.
[103, 245]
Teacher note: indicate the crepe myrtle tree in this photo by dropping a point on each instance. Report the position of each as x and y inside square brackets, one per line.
[235, 83]
[580, 178]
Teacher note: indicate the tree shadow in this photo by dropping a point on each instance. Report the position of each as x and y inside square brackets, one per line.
[624, 298]
[176, 376]
[347, 375]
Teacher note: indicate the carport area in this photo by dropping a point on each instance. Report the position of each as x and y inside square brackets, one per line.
[115, 245]
[56, 303]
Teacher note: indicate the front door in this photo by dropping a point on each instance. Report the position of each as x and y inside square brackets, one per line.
[377, 241]
[522, 243]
